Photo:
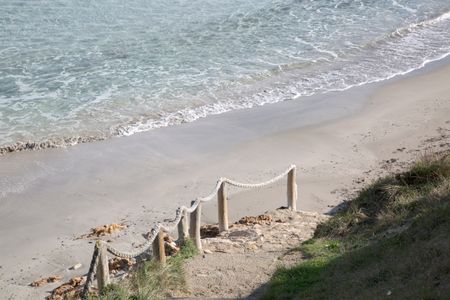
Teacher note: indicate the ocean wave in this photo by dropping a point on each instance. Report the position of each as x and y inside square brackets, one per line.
[194, 61]
[272, 96]
[400, 32]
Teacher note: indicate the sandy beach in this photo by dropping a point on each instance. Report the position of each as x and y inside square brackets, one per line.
[339, 141]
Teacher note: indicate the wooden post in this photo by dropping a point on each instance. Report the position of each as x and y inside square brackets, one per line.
[102, 266]
[159, 252]
[194, 229]
[292, 190]
[223, 208]
[183, 228]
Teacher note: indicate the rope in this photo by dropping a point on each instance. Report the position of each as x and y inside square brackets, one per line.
[245, 185]
[148, 244]
[171, 225]
[258, 185]
[90, 275]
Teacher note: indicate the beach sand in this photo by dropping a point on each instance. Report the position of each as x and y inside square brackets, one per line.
[339, 141]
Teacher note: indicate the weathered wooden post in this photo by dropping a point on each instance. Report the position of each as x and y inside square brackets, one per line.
[91, 272]
[292, 189]
[223, 208]
[102, 266]
[159, 251]
[183, 228]
[194, 229]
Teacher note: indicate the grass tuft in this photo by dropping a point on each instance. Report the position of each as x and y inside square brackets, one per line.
[428, 169]
[151, 280]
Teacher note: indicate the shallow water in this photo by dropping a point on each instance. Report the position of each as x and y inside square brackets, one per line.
[89, 68]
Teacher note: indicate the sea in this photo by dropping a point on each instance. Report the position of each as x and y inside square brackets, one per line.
[75, 71]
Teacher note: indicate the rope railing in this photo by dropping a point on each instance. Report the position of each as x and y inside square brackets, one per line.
[155, 241]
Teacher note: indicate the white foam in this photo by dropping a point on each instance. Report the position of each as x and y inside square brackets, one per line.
[214, 59]
[430, 22]
[408, 9]
[317, 48]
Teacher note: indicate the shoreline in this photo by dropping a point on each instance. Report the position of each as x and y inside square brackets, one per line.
[335, 140]
[123, 130]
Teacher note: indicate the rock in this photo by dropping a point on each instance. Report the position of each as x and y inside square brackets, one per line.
[238, 234]
[261, 219]
[209, 231]
[207, 251]
[170, 246]
[76, 266]
[252, 247]
[267, 247]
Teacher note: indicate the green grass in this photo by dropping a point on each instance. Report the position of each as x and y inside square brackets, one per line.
[391, 242]
[151, 280]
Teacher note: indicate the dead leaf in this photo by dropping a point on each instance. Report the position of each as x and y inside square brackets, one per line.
[116, 264]
[105, 229]
[44, 281]
[72, 288]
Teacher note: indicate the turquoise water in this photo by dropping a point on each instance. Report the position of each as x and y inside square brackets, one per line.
[103, 68]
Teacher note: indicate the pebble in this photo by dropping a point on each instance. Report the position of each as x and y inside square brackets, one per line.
[76, 266]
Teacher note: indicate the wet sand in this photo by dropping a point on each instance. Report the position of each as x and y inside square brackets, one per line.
[338, 141]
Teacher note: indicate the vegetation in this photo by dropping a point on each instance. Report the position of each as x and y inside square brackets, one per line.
[391, 241]
[151, 280]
